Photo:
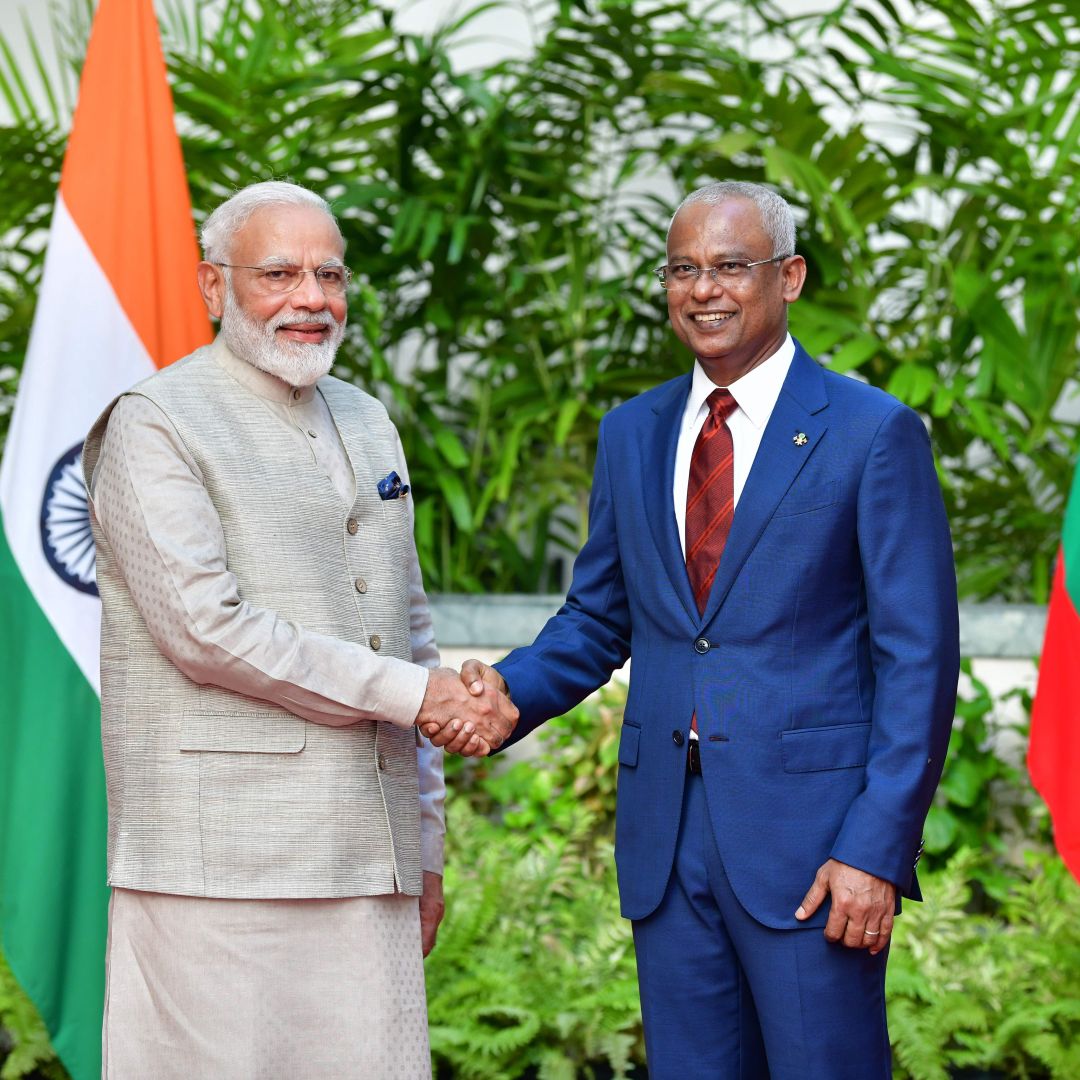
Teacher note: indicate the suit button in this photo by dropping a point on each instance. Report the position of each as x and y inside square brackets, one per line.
[702, 646]
[361, 587]
[677, 737]
[297, 394]
[381, 762]
[352, 525]
[375, 642]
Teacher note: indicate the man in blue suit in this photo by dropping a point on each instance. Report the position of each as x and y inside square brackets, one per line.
[768, 543]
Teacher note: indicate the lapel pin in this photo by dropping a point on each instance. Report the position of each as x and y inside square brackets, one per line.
[800, 439]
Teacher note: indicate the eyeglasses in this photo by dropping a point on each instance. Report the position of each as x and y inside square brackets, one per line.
[332, 279]
[730, 272]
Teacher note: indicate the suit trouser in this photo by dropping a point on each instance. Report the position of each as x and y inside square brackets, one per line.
[725, 998]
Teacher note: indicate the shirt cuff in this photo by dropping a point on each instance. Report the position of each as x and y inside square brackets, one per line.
[407, 685]
[431, 851]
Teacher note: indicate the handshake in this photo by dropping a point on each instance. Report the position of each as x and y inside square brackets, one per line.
[469, 714]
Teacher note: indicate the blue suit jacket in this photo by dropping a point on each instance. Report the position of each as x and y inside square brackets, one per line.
[823, 671]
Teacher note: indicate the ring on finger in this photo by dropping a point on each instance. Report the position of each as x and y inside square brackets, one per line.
[872, 933]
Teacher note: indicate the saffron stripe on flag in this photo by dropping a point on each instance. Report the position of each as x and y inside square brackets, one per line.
[138, 225]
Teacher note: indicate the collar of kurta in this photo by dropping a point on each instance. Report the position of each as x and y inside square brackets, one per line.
[261, 383]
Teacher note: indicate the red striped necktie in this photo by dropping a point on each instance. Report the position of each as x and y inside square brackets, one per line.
[710, 499]
[710, 496]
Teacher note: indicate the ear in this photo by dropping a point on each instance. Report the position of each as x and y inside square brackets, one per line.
[212, 286]
[793, 277]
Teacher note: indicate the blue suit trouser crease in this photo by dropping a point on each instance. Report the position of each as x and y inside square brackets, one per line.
[724, 997]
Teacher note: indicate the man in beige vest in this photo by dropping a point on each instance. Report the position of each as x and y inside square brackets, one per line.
[275, 818]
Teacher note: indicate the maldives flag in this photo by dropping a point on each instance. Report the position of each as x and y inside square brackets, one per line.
[1054, 753]
[118, 299]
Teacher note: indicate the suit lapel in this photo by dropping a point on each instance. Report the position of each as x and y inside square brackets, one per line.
[659, 457]
[778, 462]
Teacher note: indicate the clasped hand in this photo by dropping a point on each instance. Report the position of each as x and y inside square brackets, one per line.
[471, 720]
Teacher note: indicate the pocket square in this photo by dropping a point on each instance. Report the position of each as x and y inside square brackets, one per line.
[391, 487]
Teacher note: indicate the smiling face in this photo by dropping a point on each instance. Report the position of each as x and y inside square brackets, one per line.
[293, 335]
[730, 328]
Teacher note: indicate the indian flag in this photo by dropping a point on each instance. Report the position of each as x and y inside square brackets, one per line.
[118, 299]
[1054, 753]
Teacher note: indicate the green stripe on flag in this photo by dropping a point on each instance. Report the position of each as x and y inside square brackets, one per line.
[1070, 541]
[52, 826]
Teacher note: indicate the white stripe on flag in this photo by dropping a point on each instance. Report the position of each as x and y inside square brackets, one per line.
[83, 352]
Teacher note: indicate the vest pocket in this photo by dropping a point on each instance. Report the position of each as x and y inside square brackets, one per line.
[243, 733]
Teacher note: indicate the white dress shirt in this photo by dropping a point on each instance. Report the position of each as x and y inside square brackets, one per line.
[755, 395]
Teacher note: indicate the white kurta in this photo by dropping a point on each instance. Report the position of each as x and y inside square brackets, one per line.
[207, 989]
[200, 987]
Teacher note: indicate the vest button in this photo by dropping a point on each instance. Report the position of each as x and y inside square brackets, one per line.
[375, 642]
[381, 762]
[313, 433]
[677, 737]
[702, 646]
[361, 587]
[353, 526]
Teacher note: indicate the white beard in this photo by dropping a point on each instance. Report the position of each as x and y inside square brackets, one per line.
[294, 362]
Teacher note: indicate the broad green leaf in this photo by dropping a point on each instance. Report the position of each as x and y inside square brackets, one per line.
[962, 783]
[450, 447]
[912, 384]
[568, 413]
[457, 499]
[854, 352]
[939, 832]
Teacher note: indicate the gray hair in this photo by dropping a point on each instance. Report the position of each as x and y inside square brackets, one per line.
[232, 215]
[775, 212]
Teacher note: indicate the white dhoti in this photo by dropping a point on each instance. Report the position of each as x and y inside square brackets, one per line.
[207, 989]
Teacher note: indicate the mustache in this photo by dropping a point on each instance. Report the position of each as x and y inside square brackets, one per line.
[308, 318]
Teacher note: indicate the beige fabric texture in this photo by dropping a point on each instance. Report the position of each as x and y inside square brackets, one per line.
[266, 990]
[257, 703]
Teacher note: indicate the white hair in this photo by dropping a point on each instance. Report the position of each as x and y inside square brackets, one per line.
[230, 217]
[775, 212]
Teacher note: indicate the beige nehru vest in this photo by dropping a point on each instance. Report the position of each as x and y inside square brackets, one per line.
[215, 794]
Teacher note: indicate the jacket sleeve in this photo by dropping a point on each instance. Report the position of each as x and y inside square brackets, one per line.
[910, 585]
[589, 636]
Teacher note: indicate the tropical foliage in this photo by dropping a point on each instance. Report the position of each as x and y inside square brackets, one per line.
[25, 1050]
[502, 222]
[988, 993]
